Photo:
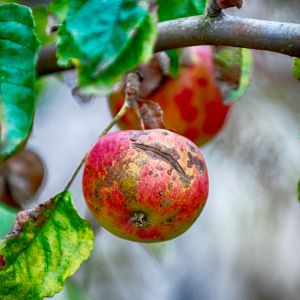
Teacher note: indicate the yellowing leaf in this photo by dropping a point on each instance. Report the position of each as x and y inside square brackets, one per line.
[46, 245]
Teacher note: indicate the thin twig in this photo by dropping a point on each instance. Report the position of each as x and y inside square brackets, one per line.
[132, 94]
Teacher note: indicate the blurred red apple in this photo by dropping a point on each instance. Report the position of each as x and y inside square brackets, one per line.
[191, 101]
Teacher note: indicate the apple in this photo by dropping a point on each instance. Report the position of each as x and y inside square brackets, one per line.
[145, 186]
[191, 101]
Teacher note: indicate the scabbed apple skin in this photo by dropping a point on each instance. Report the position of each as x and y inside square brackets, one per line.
[145, 186]
[191, 101]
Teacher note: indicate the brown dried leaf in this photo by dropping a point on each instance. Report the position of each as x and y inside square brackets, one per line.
[20, 178]
[223, 4]
[152, 114]
[154, 72]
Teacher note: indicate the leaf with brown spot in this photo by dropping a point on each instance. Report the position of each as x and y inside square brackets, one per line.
[2, 262]
[151, 114]
[46, 245]
[233, 68]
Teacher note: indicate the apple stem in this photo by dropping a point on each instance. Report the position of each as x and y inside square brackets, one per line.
[131, 93]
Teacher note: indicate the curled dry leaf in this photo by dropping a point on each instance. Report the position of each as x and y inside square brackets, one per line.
[151, 114]
[31, 215]
[223, 4]
[154, 72]
[20, 178]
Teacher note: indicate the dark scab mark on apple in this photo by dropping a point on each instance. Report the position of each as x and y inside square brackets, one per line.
[165, 133]
[168, 155]
[161, 193]
[95, 196]
[169, 172]
[192, 148]
[173, 177]
[2, 262]
[170, 186]
[165, 203]
[143, 162]
[159, 168]
[171, 219]
[194, 160]
[119, 175]
[136, 135]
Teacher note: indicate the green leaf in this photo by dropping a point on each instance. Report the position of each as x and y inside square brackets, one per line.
[105, 39]
[233, 66]
[138, 50]
[40, 16]
[297, 68]
[7, 217]
[59, 8]
[10, 1]
[46, 246]
[174, 56]
[174, 9]
[18, 53]
[246, 61]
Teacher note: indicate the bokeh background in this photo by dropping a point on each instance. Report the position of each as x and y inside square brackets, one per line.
[246, 243]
